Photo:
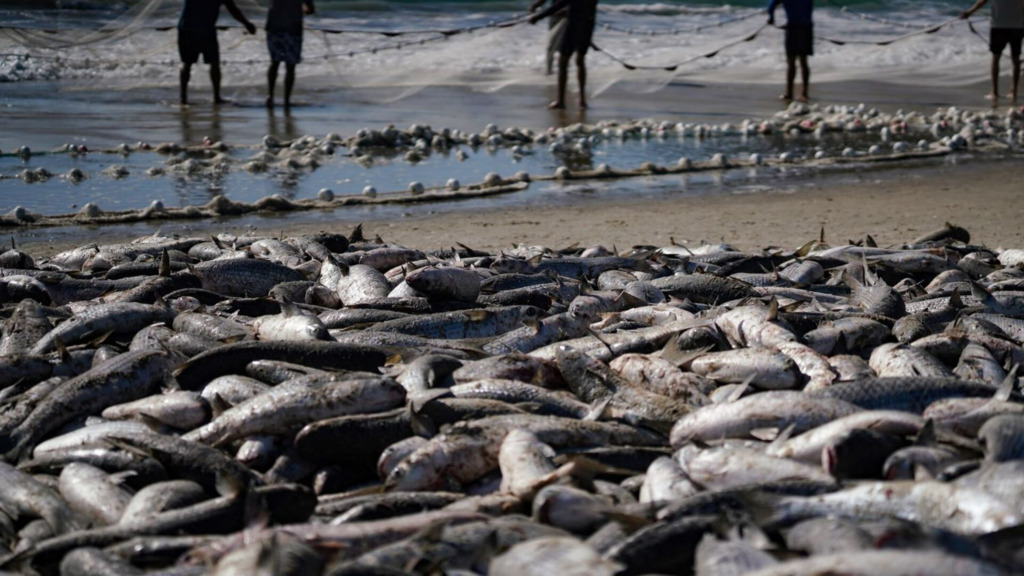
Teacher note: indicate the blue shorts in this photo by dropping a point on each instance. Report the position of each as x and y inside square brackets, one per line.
[284, 47]
[192, 43]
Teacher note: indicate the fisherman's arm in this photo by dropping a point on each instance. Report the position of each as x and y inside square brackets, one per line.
[771, 10]
[237, 15]
[977, 6]
[555, 7]
[307, 7]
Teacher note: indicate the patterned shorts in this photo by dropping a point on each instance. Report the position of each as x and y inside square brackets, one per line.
[284, 47]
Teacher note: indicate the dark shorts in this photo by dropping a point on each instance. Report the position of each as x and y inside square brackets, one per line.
[1000, 38]
[284, 47]
[191, 44]
[577, 37]
[799, 40]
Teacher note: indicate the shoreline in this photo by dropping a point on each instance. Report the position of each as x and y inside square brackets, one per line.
[893, 204]
[85, 116]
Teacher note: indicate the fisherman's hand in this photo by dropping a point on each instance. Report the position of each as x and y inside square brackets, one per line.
[965, 14]
[771, 19]
[533, 19]
[250, 27]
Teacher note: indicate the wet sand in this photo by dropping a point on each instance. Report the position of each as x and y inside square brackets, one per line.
[102, 119]
[893, 205]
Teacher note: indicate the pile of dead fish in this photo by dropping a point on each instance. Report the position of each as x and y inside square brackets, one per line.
[325, 404]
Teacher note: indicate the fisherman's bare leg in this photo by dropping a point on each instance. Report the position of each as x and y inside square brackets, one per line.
[563, 77]
[271, 83]
[215, 80]
[184, 74]
[1015, 79]
[289, 83]
[790, 77]
[994, 94]
[805, 74]
[581, 77]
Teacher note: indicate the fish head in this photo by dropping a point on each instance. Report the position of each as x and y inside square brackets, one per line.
[424, 469]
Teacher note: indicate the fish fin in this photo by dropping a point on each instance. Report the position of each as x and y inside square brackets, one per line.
[673, 354]
[62, 350]
[218, 405]
[821, 235]
[357, 234]
[165, 264]
[739, 391]
[582, 467]
[534, 324]
[228, 485]
[433, 532]
[870, 242]
[765, 434]
[630, 521]
[597, 409]
[954, 299]
[763, 507]
[979, 292]
[922, 473]
[420, 399]
[926, 436]
[151, 422]
[630, 300]
[218, 243]
[773, 310]
[422, 425]
[1005, 389]
[781, 439]
[122, 476]
[805, 249]
[289, 309]
[126, 446]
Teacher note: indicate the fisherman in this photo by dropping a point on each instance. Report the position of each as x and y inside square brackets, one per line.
[579, 29]
[197, 34]
[799, 43]
[1007, 17]
[284, 42]
[556, 30]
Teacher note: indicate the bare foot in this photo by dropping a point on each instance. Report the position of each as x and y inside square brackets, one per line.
[183, 103]
[269, 102]
[583, 104]
[785, 97]
[556, 105]
[219, 101]
[993, 98]
[803, 98]
[1013, 98]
